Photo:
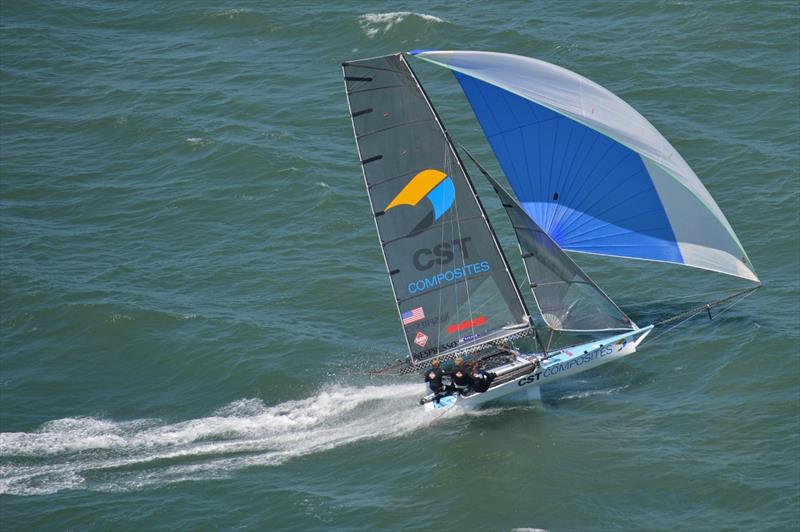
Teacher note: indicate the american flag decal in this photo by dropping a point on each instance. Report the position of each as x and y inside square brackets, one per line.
[410, 316]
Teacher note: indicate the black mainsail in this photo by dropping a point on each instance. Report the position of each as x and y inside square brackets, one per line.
[453, 286]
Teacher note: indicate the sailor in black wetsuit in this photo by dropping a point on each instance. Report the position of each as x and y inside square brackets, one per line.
[434, 378]
[461, 379]
[481, 380]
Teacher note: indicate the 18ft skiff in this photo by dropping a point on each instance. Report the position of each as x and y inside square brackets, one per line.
[590, 175]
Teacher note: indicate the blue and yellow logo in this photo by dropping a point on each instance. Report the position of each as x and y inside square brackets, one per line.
[432, 184]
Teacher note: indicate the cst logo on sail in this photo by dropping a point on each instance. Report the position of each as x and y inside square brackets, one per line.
[432, 184]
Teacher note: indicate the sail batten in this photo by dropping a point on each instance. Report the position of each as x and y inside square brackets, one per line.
[589, 169]
[431, 228]
[395, 126]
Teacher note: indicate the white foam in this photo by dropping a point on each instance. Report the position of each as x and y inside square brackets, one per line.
[105, 455]
[375, 23]
[590, 393]
[115, 317]
[197, 141]
[230, 13]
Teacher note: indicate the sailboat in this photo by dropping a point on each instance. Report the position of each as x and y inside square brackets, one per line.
[588, 174]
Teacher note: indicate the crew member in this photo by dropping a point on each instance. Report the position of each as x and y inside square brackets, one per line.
[481, 380]
[461, 379]
[434, 377]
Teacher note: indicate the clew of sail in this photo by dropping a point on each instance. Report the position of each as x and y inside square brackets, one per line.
[567, 298]
[589, 169]
[451, 282]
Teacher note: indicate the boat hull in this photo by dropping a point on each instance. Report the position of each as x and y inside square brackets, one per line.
[565, 363]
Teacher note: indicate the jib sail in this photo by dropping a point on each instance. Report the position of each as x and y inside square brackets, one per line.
[451, 282]
[567, 298]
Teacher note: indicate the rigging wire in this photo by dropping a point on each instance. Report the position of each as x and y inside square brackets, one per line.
[688, 297]
[449, 168]
[441, 267]
[691, 313]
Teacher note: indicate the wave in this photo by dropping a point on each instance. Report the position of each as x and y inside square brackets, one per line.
[590, 393]
[104, 455]
[375, 23]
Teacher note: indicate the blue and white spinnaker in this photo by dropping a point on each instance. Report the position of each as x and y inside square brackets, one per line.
[589, 169]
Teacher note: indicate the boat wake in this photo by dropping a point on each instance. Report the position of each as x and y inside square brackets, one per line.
[103, 455]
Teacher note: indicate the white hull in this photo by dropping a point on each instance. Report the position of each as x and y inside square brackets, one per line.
[565, 363]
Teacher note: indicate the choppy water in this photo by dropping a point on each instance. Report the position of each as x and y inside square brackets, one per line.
[190, 282]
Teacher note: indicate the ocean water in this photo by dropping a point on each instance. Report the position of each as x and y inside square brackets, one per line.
[191, 287]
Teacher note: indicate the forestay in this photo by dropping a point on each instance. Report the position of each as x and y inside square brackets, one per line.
[567, 298]
[452, 285]
[589, 169]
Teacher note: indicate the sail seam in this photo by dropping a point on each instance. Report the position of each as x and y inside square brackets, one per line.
[394, 126]
[371, 89]
[436, 226]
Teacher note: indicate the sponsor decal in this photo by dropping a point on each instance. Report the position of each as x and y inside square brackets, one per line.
[432, 321]
[469, 338]
[456, 274]
[412, 316]
[441, 254]
[580, 360]
[467, 324]
[555, 369]
[432, 184]
[431, 351]
[421, 339]
[533, 377]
